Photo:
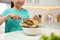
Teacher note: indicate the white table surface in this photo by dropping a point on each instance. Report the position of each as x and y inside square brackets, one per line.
[20, 35]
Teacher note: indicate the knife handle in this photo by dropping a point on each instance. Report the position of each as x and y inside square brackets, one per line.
[18, 18]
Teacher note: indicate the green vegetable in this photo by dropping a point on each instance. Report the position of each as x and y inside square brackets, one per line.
[51, 37]
[44, 37]
[58, 37]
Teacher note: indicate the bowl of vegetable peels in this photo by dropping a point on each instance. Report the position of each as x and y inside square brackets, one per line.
[30, 27]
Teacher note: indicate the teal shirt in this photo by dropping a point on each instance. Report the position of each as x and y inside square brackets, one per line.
[11, 24]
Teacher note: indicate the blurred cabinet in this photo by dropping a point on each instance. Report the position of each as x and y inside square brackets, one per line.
[32, 2]
[43, 2]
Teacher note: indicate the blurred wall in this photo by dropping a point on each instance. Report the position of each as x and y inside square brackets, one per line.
[3, 7]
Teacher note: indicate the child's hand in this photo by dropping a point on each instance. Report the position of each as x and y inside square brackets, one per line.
[14, 16]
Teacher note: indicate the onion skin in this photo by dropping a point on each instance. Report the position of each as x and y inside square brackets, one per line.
[29, 23]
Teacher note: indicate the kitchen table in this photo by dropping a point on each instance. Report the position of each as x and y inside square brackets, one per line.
[20, 35]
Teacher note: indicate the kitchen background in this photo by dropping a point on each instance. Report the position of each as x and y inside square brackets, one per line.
[35, 7]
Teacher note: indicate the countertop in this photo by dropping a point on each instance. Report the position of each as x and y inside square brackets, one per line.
[20, 35]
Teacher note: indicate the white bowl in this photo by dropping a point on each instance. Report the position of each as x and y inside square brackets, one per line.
[32, 31]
